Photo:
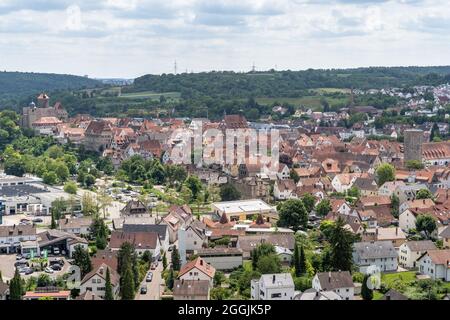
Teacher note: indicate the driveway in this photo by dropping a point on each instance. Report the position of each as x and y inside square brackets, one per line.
[154, 288]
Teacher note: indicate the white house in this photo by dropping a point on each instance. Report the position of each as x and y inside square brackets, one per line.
[195, 237]
[381, 254]
[343, 182]
[435, 264]
[339, 282]
[278, 286]
[285, 189]
[95, 281]
[410, 251]
[283, 172]
[197, 269]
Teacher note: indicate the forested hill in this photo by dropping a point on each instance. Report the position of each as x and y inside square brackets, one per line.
[288, 83]
[19, 84]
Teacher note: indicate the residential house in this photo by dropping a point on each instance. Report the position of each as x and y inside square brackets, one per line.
[283, 172]
[98, 135]
[134, 207]
[395, 235]
[197, 269]
[278, 286]
[142, 241]
[161, 229]
[195, 236]
[394, 295]
[410, 251]
[339, 282]
[435, 264]
[77, 226]
[381, 254]
[178, 216]
[191, 290]
[366, 186]
[249, 242]
[312, 294]
[285, 189]
[343, 182]
[445, 235]
[95, 281]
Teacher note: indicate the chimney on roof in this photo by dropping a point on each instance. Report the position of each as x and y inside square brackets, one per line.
[201, 262]
[423, 201]
[101, 270]
[329, 276]
[396, 231]
[388, 297]
[273, 279]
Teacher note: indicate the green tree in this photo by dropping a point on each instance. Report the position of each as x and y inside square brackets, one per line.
[170, 280]
[341, 242]
[71, 187]
[426, 223]
[294, 176]
[195, 185]
[414, 164]
[292, 214]
[385, 172]
[269, 264]
[301, 261]
[424, 194]
[15, 167]
[164, 261]
[395, 205]
[82, 259]
[176, 262]
[89, 180]
[308, 201]
[366, 292]
[108, 287]
[127, 287]
[59, 208]
[50, 178]
[15, 287]
[228, 192]
[323, 208]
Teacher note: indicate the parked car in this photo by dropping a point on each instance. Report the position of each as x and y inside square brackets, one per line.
[149, 277]
[56, 267]
[154, 266]
[160, 258]
[38, 220]
[21, 263]
[29, 271]
[48, 270]
[19, 257]
[170, 248]
[56, 251]
[144, 290]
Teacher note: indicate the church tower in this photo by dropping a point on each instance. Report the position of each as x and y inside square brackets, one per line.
[43, 100]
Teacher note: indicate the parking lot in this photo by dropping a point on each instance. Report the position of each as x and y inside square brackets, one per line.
[7, 267]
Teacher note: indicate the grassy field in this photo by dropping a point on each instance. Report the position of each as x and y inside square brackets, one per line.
[332, 90]
[405, 277]
[150, 95]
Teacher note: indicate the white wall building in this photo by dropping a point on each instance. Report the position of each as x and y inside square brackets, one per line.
[273, 287]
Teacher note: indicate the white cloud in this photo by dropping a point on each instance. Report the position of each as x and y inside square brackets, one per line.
[132, 37]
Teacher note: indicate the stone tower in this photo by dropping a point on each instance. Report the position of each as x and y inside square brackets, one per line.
[43, 100]
[413, 144]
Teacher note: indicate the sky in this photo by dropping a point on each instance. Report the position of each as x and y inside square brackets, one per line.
[129, 38]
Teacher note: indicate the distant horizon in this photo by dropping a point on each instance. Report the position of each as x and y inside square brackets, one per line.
[236, 71]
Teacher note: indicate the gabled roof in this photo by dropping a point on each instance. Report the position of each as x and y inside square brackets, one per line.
[438, 256]
[423, 245]
[140, 240]
[101, 272]
[199, 264]
[191, 288]
[335, 280]
[375, 250]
